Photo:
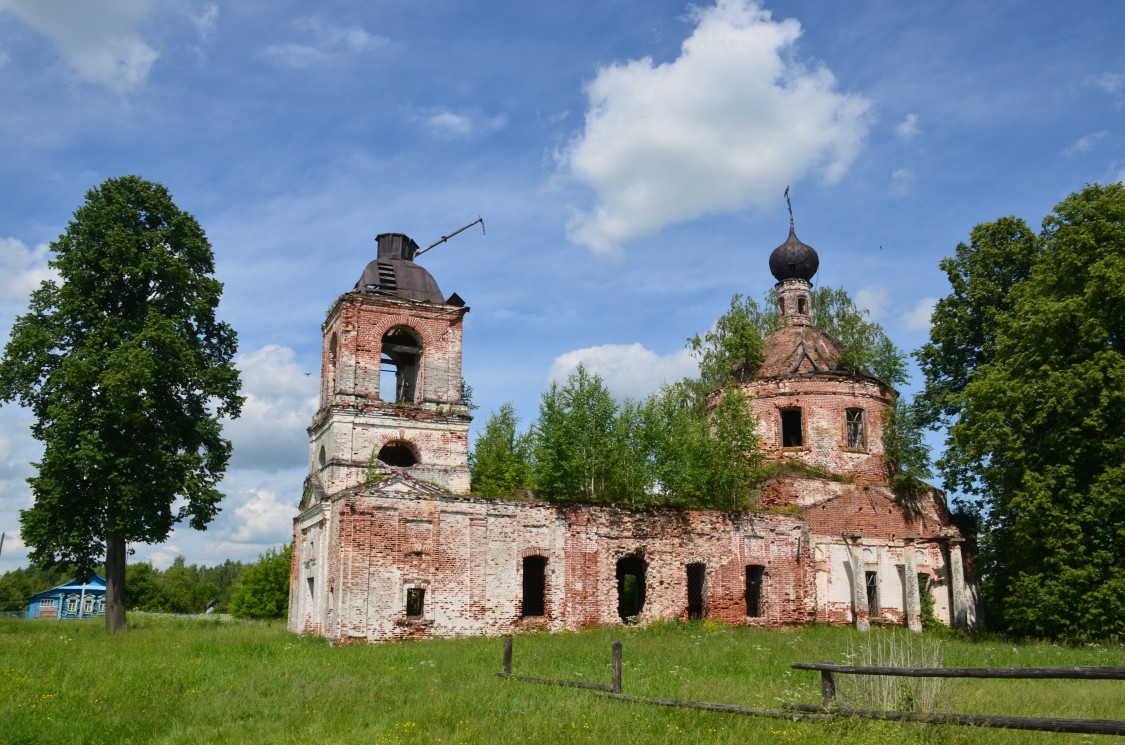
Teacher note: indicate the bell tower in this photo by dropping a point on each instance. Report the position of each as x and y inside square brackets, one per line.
[390, 379]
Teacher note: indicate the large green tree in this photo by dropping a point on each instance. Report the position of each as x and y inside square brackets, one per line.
[1026, 365]
[128, 372]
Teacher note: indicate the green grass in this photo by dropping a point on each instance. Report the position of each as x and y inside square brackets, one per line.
[202, 681]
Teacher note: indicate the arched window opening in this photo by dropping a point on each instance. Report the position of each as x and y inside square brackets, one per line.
[696, 582]
[398, 377]
[630, 587]
[398, 454]
[322, 458]
[332, 346]
[534, 586]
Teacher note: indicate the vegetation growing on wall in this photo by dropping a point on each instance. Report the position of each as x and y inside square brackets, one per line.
[683, 446]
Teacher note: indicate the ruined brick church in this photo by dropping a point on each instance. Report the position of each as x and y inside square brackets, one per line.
[389, 544]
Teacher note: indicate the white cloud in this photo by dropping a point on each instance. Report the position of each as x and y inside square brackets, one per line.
[327, 44]
[908, 128]
[15, 553]
[1085, 144]
[263, 518]
[628, 370]
[873, 300]
[18, 450]
[21, 271]
[730, 122]
[902, 182]
[4, 58]
[205, 21]
[100, 41]
[918, 319]
[447, 125]
[280, 402]
[1112, 83]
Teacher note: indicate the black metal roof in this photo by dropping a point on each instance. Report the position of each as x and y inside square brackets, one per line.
[393, 273]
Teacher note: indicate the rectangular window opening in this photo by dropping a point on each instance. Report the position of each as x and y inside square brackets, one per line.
[415, 602]
[792, 431]
[696, 584]
[754, 577]
[534, 586]
[856, 429]
[872, 579]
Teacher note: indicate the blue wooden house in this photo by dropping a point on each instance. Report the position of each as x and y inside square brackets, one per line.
[72, 599]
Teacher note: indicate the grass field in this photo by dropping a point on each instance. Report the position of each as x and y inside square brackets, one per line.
[201, 681]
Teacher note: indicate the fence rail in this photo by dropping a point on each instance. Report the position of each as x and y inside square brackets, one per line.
[829, 709]
[1078, 672]
[829, 670]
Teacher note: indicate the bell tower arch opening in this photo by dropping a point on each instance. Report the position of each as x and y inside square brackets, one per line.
[399, 365]
[398, 453]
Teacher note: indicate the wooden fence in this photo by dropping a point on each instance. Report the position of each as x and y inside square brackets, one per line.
[828, 672]
[829, 709]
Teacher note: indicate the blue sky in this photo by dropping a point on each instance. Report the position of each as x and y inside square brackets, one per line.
[628, 158]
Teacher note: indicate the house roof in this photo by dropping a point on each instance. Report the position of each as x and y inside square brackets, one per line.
[94, 585]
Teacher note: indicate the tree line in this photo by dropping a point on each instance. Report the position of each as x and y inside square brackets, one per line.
[255, 590]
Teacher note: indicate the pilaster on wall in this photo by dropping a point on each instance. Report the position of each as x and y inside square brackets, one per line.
[960, 614]
[859, 588]
[910, 584]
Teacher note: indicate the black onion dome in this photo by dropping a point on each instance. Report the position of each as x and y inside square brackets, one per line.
[794, 260]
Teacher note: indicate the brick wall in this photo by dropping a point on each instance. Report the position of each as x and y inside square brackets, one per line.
[823, 399]
[467, 555]
[364, 550]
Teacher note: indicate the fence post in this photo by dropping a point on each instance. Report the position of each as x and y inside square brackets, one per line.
[507, 655]
[827, 688]
[617, 667]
